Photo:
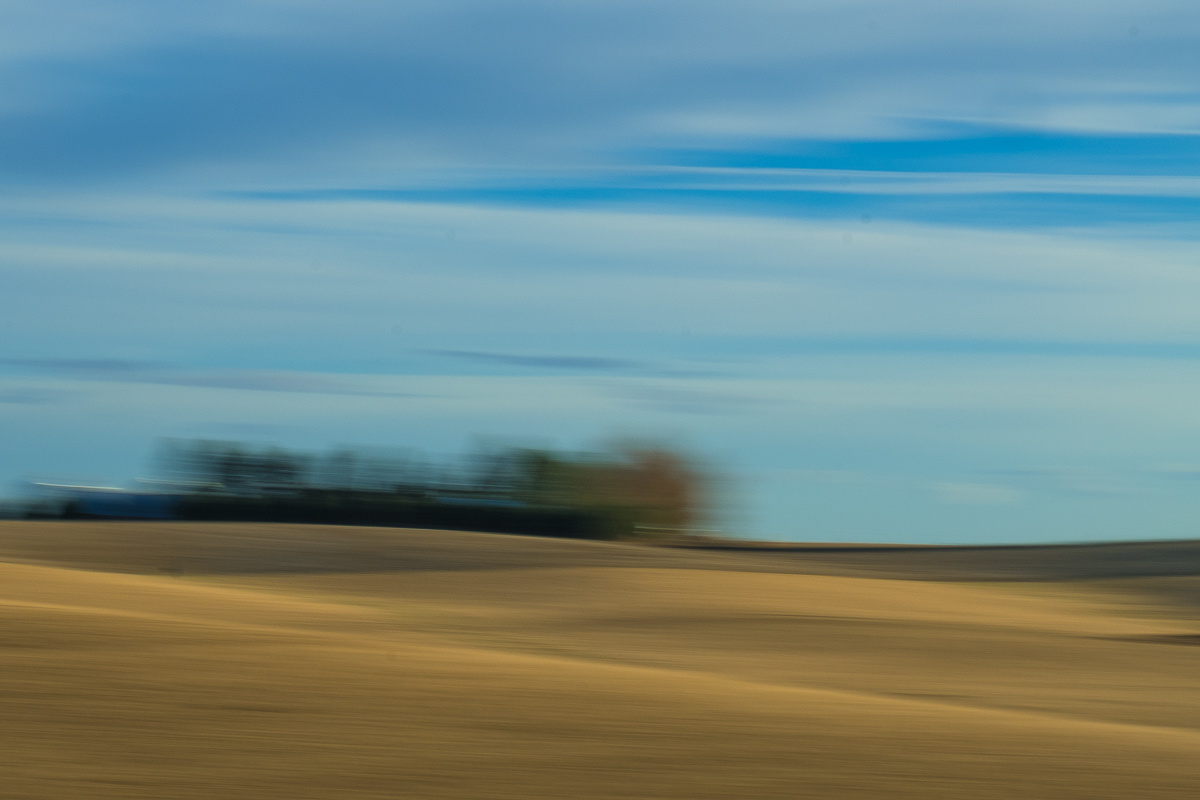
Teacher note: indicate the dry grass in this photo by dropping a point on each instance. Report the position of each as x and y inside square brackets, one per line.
[467, 666]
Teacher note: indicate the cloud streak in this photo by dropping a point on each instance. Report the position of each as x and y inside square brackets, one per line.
[33, 396]
[583, 363]
[116, 370]
[270, 381]
[93, 366]
[364, 84]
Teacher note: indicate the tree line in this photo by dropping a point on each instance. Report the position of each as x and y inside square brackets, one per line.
[626, 491]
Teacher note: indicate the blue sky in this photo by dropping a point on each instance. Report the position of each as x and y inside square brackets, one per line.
[918, 273]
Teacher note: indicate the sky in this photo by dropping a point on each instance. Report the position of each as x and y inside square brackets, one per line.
[922, 272]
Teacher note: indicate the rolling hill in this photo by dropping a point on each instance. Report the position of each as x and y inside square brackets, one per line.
[191, 660]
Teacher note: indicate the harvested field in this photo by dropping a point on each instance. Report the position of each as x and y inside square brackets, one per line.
[154, 660]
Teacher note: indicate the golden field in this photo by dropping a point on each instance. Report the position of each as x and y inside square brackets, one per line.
[205, 660]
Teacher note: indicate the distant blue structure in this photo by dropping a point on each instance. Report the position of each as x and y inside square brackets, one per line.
[110, 502]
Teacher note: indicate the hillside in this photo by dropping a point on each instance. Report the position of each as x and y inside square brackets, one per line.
[181, 660]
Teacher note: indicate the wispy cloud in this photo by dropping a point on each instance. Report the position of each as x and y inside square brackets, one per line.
[649, 180]
[978, 347]
[570, 363]
[270, 381]
[349, 88]
[117, 370]
[91, 366]
[966, 199]
[584, 363]
[33, 396]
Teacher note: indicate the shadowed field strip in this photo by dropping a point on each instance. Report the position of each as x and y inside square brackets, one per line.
[215, 548]
[585, 680]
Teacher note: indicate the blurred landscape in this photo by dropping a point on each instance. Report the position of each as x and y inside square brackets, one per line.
[633, 490]
[150, 659]
[552, 400]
